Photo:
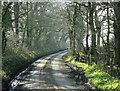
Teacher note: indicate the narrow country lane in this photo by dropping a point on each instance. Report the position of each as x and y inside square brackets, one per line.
[36, 34]
[61, 74]
[47, 73]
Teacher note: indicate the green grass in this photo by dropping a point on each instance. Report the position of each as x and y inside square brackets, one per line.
[95, 75]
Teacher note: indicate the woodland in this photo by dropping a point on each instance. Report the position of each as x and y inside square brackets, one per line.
[89, 30]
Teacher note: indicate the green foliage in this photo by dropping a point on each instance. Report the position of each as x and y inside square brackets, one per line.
[99, 78]
[27, 37]
[17, 59]
[6, 15]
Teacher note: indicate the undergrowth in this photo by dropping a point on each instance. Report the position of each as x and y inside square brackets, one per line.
[95, 75]
[16, 60]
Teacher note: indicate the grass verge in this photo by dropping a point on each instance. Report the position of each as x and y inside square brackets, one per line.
[95, 75]
[17, 61]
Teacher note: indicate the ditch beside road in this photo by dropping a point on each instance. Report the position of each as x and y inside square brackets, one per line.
[49, 72]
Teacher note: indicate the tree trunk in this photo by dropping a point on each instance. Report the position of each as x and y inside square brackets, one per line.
[117, 44]
[93, 39]
[71, 42]
[27, 25]
[87, 35]
[91, 11]
[108, 34]
[117, 31]
[74, 28]
[16, 14]
[98, 28]
[4, 41]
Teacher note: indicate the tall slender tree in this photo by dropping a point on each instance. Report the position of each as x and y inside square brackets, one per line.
[117, 31]
[16, 15]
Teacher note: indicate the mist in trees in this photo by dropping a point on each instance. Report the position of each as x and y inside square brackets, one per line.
[29, 23]
[33, 29]
[30, 30]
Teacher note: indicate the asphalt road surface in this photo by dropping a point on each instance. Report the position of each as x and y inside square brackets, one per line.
[49, 72]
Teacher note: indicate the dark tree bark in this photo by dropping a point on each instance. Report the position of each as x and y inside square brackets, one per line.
[27, 22]
[16, 14]
[117, 44]
[72, 32]
[108, 35]
[91, 11]
[93, 32]
[74, 28]
[87, 35]
[4, 41]
[117, 31]
[5, 24]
